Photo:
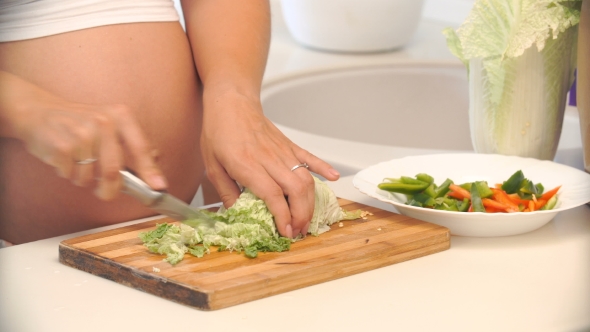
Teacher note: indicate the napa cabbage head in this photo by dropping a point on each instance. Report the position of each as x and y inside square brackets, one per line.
[246, 226]
[520, 57]
[327, 211]
[497, 30]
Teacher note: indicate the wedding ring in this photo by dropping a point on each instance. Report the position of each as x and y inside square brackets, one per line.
[300, 165]
[86, 161]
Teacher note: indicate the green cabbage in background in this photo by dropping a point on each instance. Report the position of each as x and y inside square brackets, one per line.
[520, 55]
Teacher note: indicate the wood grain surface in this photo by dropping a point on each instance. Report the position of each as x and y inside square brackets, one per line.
[223, 279]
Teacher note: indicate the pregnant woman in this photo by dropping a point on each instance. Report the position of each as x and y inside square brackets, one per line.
[91, 87]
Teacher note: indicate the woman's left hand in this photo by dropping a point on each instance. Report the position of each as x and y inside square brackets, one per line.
[241, 145]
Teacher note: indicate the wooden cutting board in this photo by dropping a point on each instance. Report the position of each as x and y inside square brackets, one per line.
[223, 279]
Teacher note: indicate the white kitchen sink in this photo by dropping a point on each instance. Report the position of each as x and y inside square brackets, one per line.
[356, 117]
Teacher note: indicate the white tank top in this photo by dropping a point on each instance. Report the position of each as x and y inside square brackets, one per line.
[27, 19]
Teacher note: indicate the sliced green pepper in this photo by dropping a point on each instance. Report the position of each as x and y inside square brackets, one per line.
[441, 190]
[550, 203]
[424, 199]
[413, 202]
[528, 187]
[466, 186]
[430, 190]
[483, 189]
[446, 204]
[464, 206]
[540, 189]
[512, 185]
[425, 178]
[476, 203]
[399, 186]
[410, 180]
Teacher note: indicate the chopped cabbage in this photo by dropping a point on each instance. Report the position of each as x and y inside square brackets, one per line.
[246, 226]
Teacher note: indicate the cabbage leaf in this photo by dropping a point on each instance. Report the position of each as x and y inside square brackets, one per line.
[246, 226]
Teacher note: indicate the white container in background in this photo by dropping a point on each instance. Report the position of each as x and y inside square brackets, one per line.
[352, 25]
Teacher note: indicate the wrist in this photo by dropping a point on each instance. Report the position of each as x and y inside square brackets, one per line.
[229, 93]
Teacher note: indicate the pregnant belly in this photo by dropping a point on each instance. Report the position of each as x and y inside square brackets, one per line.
[146, 66]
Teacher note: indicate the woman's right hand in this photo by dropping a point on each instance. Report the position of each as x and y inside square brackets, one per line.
[62, 133]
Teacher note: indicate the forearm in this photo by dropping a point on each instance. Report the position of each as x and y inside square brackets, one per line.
[15, 94]
[229, 40]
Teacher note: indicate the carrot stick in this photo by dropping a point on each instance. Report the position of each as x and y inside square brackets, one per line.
[548, 194]
[517, 200]
[459, 192]
[531, 206]
[502, 197]
[495, 205]
[540, 203]
[456, 195]
[493, 210]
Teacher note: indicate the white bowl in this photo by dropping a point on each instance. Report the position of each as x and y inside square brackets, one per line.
[468, 167]
[352, 25]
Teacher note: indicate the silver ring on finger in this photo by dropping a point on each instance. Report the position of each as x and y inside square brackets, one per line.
[299, 165]
[86, 161]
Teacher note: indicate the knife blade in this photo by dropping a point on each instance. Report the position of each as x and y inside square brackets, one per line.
[163, 202]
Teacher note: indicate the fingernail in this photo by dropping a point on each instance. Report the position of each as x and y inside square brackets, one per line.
[289, 231]
[158, 182]
[334, 172]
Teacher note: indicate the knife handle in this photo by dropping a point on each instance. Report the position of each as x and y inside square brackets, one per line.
[135, 187]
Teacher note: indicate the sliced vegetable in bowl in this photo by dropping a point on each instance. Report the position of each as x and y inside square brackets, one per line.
[469, 168]
[516, 194]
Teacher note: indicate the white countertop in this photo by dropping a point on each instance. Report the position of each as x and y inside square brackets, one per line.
[538, 281]
[533, 282]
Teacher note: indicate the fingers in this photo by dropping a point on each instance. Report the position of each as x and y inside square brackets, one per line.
[317, 165]
[272, 193]
[260, 183]
[289, 195]
[139, 149]
[85, 135]
[301, 191]
[301, 197]
[62, 133]
[227, 189]
[248, 148]
[110, 159]
[85, 142]
[62, 143]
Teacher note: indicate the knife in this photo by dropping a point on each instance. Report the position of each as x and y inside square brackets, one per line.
[163, 202]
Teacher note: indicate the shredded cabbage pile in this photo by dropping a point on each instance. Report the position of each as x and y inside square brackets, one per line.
[246, 226]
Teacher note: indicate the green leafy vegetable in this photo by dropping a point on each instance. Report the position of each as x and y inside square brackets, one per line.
[520, 56]
[499, 29]
[327, 211]
[247, 226]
